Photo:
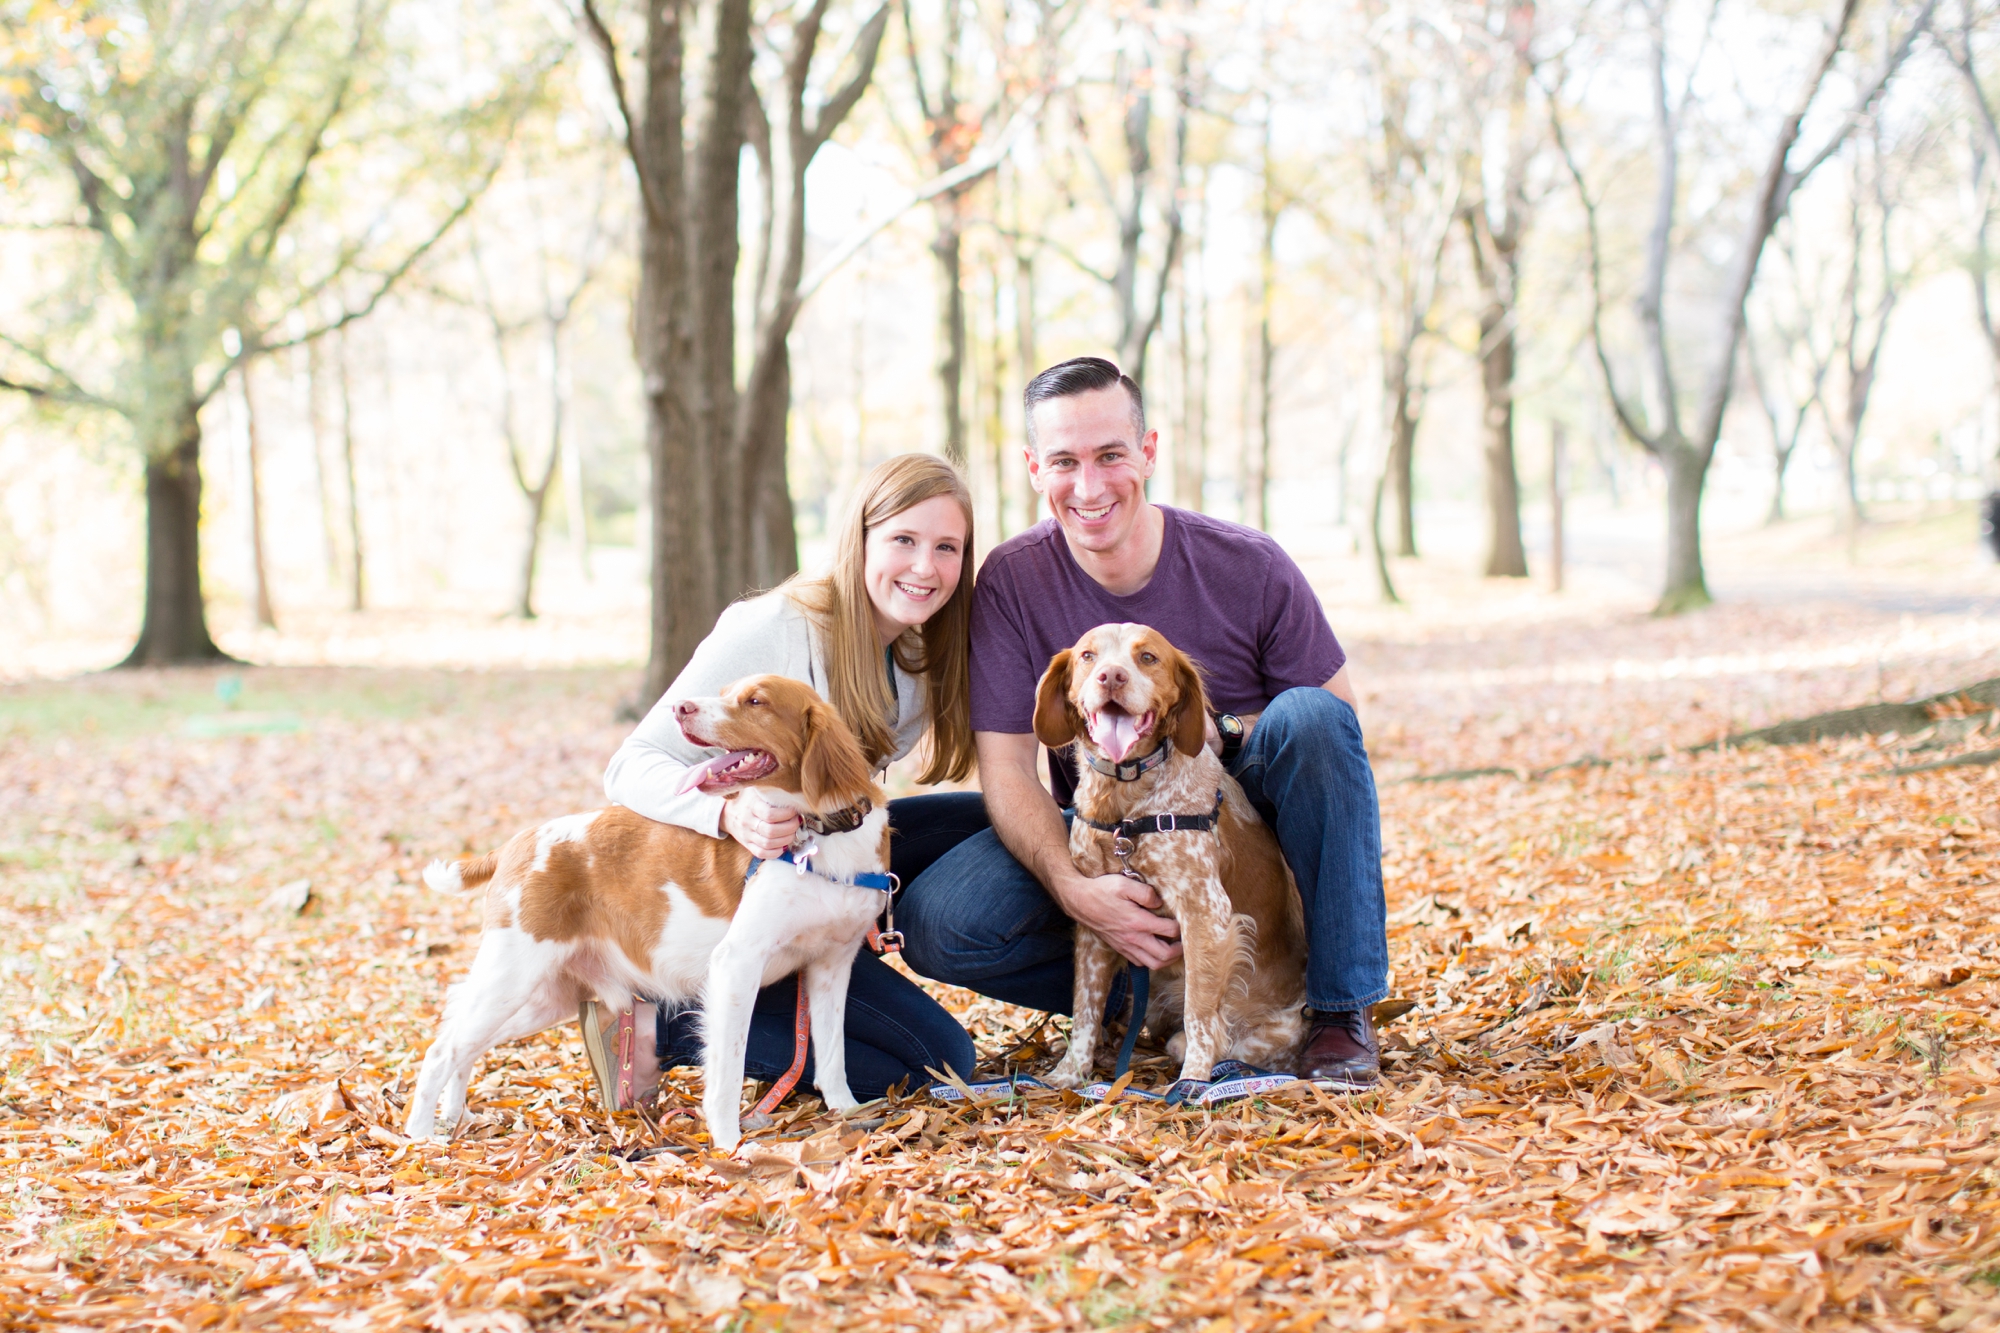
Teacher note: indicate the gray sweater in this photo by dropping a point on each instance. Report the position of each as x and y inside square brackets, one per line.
[767, 635]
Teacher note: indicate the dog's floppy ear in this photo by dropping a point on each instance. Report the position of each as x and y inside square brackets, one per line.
[1191, 725]
[1055, 720]
[832, 770]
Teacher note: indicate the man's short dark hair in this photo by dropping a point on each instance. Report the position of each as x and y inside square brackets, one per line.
[1082, 374]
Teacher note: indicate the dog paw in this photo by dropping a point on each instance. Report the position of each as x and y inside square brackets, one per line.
[839, 1099]
[1064, 1076]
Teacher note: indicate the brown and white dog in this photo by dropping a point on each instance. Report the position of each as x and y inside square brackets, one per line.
[1134, 703]
[616, 905]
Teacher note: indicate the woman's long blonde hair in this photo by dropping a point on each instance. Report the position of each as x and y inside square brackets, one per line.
[938, 650]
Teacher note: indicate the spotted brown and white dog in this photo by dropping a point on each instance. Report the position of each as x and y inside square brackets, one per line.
[1136, 708]
[616, 905]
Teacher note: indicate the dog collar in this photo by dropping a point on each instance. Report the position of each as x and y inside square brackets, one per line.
[867, 879]
[1132, 769]
[844, 820]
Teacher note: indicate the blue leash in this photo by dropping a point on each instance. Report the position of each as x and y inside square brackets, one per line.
[1141, 985]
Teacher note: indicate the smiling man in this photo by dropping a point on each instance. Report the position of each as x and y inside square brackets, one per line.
[995, 914]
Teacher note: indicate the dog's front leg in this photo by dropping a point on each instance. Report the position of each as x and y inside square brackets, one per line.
[826, 992]
[1096, 964]
[1210, 937]
[1211, 959]
[734, 972]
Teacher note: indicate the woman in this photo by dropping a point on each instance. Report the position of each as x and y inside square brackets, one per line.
[884, 639]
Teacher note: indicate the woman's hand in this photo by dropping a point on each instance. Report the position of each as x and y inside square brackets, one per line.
[765, 829]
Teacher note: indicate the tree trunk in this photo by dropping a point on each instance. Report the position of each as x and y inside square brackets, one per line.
[680, 490]
[175, 628]
[755, 474]
[1191, 448]
[1401, 466]
[948, 248]
[774, 525]
[1686, 587]
[996, 404]
[573, 501]
[260, 578]
[357, 586]
[1505, 557]
[1557, 439]
[715, 173]
[1388, 587]
[1846, 443]
[524, 607]
[313, 420]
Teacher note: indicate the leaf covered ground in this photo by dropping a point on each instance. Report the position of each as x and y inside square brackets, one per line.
[1704, 1041]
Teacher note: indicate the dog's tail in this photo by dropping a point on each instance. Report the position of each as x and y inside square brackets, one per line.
[454, 876]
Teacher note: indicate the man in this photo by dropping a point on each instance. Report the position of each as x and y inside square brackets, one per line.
[995, 914]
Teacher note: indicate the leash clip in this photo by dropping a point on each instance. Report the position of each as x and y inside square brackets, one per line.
[1122, 847]
[890, 940]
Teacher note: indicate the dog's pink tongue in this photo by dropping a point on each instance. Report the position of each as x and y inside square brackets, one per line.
[1115, 734]
[708, 769]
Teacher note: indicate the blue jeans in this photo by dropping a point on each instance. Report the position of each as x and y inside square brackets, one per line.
[977, 919]
[895, 1031]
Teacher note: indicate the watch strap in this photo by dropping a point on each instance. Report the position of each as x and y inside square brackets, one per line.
[1232, 738]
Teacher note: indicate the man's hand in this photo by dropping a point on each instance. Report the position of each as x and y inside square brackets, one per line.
[765, 829]
[1124, 912]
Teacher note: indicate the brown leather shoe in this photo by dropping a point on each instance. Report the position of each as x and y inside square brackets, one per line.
[1342, 1049]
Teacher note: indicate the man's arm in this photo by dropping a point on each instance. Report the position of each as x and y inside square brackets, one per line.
[1340, 687]
[1030, 826]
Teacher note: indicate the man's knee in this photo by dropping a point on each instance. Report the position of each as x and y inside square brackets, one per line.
[976, 913]
[1306, 710]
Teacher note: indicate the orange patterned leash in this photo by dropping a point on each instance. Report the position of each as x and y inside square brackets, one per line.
[801, 1036]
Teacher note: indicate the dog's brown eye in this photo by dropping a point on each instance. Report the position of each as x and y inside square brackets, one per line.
[1148, 658]
[754, 701]
[1086, 657]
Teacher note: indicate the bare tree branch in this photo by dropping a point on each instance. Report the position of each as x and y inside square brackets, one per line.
[979, 164]
[860, 54]
[607, 49]
[1627, 420]
[1869, 96]
[63, 387]
[387, 282]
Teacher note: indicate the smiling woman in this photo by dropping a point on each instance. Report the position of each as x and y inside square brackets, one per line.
[882, 637]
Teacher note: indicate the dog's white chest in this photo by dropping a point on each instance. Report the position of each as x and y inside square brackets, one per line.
[790, 917]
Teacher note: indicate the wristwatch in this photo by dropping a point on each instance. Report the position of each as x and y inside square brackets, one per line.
[1230, 727]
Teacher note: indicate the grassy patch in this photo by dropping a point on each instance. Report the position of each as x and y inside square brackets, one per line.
[79, 1239]
[1116, 1304]
[118, 704]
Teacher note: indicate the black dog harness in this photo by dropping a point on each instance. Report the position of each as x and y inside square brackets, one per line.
[1126, 830]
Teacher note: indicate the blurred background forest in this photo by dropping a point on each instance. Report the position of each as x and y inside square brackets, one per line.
[397, 322]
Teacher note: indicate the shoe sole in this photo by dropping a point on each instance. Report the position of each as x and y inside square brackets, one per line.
[1355, 1082]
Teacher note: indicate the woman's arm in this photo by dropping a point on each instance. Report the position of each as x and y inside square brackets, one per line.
[645, 775]
[750, 638]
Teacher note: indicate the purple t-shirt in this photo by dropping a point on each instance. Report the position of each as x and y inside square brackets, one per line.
[1226, 595]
